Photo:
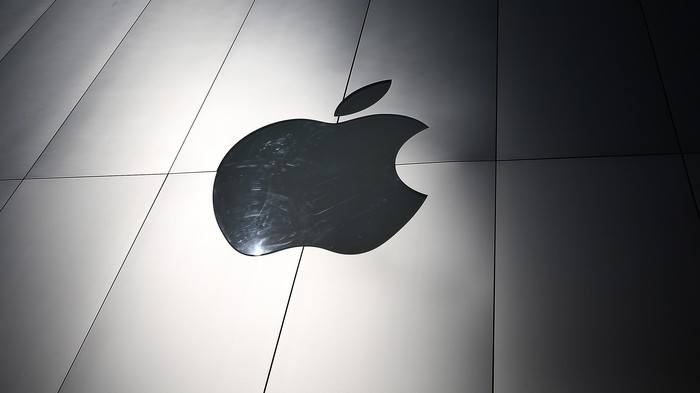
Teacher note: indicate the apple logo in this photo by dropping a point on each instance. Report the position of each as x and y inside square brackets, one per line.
[308, 183]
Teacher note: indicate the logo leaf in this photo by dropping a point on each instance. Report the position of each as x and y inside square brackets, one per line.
[363, 98]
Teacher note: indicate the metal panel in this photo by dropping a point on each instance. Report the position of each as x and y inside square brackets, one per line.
[675, 32]
[188, 313]
[578, 79]
[137, 113]
[47, 72]
[441, 57]
[413, 315]
[290, 61]
[16, 17]
[693, 162]
[6, 189]
[596, 276]
[61, 244]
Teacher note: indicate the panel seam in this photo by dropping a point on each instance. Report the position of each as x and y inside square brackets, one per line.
[400, 164]
[155, 199]
[668, 108]
[291, 291]
[284, 318]
[76, 105]
[28, 30]
[495, 206]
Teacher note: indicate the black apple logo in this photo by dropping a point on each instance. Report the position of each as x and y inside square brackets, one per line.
[308, 183]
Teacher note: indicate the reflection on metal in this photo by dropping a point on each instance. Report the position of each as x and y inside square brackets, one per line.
[308, 183]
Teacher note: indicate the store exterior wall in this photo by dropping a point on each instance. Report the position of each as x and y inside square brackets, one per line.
[556, 249]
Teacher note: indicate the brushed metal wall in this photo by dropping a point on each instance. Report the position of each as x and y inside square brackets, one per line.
[556, 250]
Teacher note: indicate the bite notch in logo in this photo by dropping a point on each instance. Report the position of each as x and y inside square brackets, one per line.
[308, 183]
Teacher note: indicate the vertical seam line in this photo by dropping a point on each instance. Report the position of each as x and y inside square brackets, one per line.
[291, 291]
[668, 108]
[284, 317]
[495, 205]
